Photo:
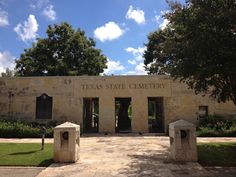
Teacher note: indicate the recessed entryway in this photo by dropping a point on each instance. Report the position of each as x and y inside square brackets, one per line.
[123, 115]
[155, 115]
[90, 115]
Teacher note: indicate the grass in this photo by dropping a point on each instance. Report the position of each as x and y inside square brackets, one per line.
[217, 154]
[25, 154]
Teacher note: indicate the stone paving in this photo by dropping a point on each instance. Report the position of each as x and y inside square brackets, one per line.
[125, 156]
[20, 171]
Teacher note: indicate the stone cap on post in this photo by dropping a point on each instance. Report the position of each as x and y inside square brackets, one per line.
[182, 124]
[67, 125]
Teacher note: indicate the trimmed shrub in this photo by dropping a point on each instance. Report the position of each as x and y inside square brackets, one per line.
[216, 126]
[17, 129]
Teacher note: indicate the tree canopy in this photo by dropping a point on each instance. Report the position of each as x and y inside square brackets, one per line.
[64, 52]
[7, 73]
[198, 47]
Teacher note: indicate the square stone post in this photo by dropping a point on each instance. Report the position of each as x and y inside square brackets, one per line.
[183, 146]
[66, 142]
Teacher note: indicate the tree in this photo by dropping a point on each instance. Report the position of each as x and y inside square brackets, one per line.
[198, 47]
[64, 52]
[8, 73]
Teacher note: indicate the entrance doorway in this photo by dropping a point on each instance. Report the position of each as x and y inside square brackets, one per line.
[155, 115]
[123, 115]
[90, 115]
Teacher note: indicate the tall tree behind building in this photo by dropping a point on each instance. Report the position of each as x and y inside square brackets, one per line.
[65, 52]
[198, 47]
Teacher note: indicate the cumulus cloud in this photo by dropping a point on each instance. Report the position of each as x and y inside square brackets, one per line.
[164, 24]
[28, 30]
[161, 20]
[138, 70]
[3, 18]
[45, 7]
[6, 61]
[137, 54]
[137, 60]
[132, 62]
[49, 12]
[38, 4]
[113, 66]
[135, 14]
[108, 32]
[136, 51]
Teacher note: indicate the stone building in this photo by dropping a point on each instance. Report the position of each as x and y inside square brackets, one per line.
[106, 103]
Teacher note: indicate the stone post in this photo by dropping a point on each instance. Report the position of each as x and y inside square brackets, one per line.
[66, 142]
[183, 145]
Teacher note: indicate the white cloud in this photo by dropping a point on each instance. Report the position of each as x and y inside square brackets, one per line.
[136, 51]
[161, 20]
[6, 61]
[108, 32]
[113, 66]
[137, 60]
[46, 7]
[28, 30]
[164, 24]
[49, 12]
[132, 62]
[138, 70]
[157, 19]
[136, 14]
[137, 54]
[38, 4]
[163, 12]
[3, 18]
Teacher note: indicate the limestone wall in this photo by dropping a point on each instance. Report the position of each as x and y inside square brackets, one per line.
[18, 98]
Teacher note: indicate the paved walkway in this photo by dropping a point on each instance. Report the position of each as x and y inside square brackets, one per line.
[161, 138]
[20, 171]
[125, 156]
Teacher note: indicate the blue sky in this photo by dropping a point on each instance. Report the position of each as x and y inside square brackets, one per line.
[119, 27]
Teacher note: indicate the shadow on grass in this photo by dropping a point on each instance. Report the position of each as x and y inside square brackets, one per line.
[46, 163]
[217, 154]
[24, 153]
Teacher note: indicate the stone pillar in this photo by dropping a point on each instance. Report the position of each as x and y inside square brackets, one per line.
[139, 114]
[66, 142]
[183, 145]
[107, 114]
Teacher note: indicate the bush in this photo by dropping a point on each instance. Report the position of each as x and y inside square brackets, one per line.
[17, 129]
[216, 126]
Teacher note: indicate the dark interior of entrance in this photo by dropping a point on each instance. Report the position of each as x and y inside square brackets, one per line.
[155, 115]
[90, 115]
[123, 113]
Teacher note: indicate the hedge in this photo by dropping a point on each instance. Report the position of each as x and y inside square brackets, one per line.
[217, 126]
[18, 129]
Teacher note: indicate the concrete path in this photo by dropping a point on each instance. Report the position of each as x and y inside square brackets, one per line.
[162, 138]
[125, 157]
[20, 171]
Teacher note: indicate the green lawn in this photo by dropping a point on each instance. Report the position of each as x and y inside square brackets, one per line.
[25, 154]
[217, 154]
